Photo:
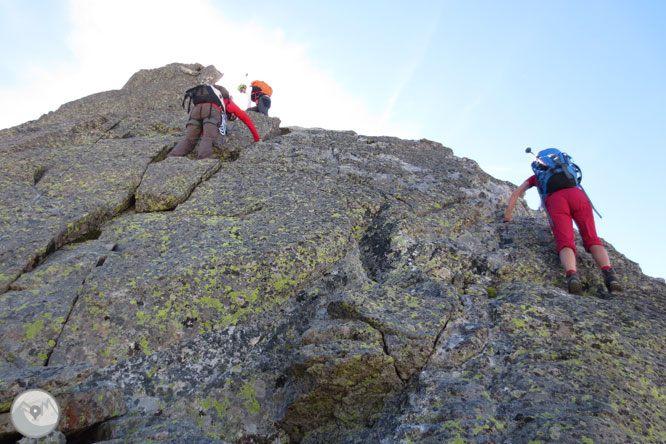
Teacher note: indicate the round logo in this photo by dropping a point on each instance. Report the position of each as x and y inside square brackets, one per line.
[35, 413]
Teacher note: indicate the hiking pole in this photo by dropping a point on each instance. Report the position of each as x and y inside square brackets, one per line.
[528, 150]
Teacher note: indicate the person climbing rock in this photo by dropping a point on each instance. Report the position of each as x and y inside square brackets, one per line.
[211, 103]
[558, 180]
[205, 119]
[261, 95]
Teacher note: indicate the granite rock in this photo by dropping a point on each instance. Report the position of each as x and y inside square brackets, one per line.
[316, 287]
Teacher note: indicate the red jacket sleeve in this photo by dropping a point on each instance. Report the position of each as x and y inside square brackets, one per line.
[233, 108]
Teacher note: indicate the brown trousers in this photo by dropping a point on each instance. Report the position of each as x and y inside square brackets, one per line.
[208, 117]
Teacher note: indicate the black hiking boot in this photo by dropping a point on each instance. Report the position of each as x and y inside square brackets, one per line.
[573, 284]
[611, 281]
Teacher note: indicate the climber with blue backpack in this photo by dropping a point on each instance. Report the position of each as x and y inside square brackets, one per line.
[558, 180]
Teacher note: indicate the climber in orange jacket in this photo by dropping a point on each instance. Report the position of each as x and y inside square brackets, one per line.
[260, 94]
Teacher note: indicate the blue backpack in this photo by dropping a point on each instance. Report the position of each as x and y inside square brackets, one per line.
[554, 171]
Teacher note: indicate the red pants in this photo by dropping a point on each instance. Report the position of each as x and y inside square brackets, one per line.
[567, 205]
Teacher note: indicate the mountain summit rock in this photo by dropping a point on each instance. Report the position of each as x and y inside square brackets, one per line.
[316, 287]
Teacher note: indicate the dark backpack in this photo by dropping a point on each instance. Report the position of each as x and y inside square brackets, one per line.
[201, 94]
[554, 171]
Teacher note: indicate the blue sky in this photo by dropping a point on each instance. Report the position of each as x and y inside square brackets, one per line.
[486, 78]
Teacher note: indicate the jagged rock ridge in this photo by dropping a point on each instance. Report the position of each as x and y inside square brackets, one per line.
[319, 286]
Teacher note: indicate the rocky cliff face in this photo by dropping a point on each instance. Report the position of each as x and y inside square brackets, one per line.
[318, 286]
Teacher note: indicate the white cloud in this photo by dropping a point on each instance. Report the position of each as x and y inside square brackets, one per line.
[108, 44]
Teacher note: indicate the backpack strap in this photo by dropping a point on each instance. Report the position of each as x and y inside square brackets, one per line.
[189, 104]
[566, 171]
[188, 95]
[579, 178]
[579, 173]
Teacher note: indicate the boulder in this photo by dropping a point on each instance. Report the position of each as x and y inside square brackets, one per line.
[316, 287]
